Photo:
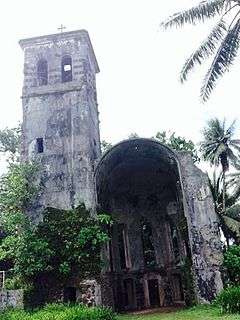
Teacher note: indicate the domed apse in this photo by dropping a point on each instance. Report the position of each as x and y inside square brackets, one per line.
[138, 183]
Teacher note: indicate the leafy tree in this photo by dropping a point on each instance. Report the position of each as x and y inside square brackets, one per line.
[64, 242]
[218, 148]
[105, 146]
[178, 143]
[10, 142]
[232, 263]
[75, 238]
[133, 135]
[222, 42]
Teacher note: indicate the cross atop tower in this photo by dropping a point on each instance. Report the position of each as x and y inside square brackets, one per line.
[61, 28]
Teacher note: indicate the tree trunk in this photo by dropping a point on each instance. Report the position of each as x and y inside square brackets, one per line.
[224, 202]
[224, 193]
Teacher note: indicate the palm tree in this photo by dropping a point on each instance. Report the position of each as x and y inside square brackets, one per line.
[234, 178]
[218, 148]
[222, 42]
[230, 220]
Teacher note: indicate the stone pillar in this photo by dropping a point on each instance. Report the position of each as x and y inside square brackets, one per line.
[203, 229]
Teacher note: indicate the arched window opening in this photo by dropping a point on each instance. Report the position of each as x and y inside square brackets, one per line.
[147, 243]
[40, 147]
[42, 72]
[66, 69]
[175, 244]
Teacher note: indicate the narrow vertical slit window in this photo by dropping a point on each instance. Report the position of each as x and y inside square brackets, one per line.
[40, 147]
[66, 69]
[147, 243]
[42, 72]
[123, 245]
[175, 243]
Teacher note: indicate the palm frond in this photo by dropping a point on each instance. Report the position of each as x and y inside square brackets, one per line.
[205, 10]
[235, 141]
[231, 156]
[224, 58]
[233, 226]
[206, 49]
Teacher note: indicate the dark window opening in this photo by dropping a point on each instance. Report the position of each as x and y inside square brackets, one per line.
[110, 255]
[175, 244]
[178, 288]
[153, 293]
[129, 294]
[140, 300]
[42, 72]
[121, 247]
[40, 145]
[70, 295]
[66, 69]
[118, 292]
[147, 243]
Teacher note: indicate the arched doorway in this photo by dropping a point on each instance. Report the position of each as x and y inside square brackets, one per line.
[138, 183]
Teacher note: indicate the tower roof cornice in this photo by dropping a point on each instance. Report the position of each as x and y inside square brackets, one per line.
[59, 37]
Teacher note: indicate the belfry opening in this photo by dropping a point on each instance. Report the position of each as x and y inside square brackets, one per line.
[138, 184]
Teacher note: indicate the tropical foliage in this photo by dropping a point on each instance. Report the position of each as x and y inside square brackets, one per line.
[228, 300]
[232, 264]
[178, 143]
[222, 43]
[62, 241]
[60, 312]
[105, 146]
[230, 220]
[220, 149]
[10, 142]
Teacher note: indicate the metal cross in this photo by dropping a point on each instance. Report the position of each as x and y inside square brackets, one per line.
[61, 28]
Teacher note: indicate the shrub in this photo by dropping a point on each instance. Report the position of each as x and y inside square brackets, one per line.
[232, 263]
[229, 300]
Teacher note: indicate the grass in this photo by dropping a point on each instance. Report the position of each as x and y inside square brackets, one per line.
[196, 313]
[63, 312]
[60, 312]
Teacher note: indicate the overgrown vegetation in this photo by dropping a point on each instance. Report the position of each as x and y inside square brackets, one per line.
[10, 139]
[228, 300]
[232, 264]
[65, 242]
[178, 143]
[60, 312]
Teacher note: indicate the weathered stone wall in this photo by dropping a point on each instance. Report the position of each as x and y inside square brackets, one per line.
[65, 115]
[203, 227]
[11, 299]
[89, 293]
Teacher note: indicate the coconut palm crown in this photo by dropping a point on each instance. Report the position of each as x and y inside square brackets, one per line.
[222, 42]
[218, 147]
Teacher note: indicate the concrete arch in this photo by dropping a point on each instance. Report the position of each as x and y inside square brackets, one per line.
[138, 182]
[135, 140]
[143, 180]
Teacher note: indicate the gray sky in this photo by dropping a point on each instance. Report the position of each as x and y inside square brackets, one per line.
[138, 86]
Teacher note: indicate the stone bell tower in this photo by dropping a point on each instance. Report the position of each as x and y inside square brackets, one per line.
[60, 117]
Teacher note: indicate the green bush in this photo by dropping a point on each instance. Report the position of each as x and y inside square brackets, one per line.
[61, 312]
[229, 300]
[232, 263]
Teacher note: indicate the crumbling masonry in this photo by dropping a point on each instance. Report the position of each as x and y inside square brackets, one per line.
[165, 223]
